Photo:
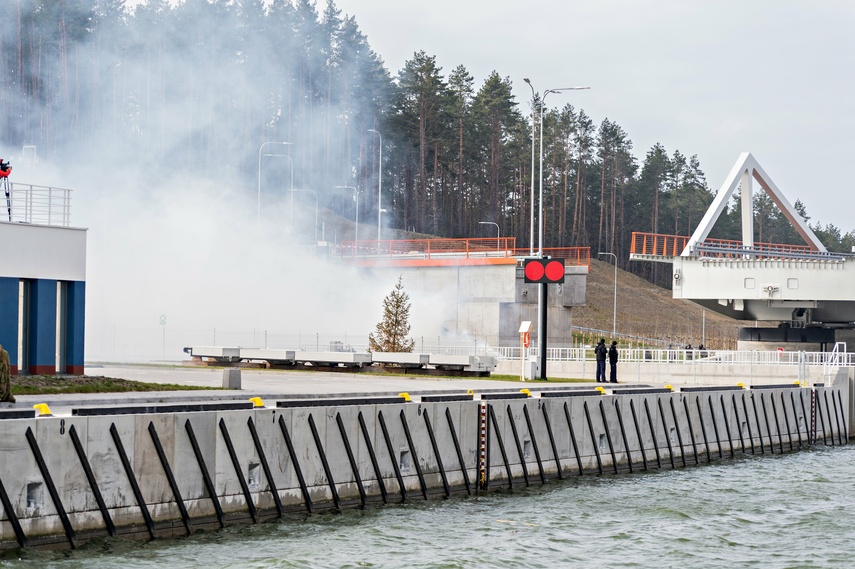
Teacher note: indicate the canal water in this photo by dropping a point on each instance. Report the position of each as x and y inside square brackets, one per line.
[781, 511]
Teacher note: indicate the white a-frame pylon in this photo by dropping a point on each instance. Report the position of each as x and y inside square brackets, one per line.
[746, 167]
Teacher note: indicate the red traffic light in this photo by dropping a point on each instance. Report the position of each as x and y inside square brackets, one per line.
[544, 270]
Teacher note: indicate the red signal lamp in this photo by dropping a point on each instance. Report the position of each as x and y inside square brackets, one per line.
[539, 270]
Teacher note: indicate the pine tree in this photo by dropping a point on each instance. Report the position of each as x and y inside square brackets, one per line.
[391, 332]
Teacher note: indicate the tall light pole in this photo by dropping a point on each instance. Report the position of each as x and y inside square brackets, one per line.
[260, 148]
[531, 227]
[316, 208]
[614, 306]
[379, 184]
[541, 289]
[356, 199]
[540, 198]
[498, 231]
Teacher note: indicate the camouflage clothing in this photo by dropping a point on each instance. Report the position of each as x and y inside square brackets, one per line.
[5, 377]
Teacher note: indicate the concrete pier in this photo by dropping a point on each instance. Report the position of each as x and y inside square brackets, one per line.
[168, 472]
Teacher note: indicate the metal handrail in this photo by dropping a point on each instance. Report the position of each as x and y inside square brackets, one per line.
[40, 205]
[503, 247]
[664, 245]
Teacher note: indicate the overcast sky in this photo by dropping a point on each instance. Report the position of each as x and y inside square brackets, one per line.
[714, 78]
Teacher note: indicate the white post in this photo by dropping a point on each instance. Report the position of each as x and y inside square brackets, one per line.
[379, 185]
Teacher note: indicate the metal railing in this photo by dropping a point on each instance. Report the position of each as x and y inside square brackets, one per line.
[661, 245]
[695, 357]
[502, 247]
[40, 205]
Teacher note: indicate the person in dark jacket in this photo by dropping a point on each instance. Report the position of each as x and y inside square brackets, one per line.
[613, 358]
[601, 351]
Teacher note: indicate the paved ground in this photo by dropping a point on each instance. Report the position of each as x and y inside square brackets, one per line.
[267, 384]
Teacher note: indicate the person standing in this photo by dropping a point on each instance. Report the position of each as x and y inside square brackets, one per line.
[613, 358]
[601, 351]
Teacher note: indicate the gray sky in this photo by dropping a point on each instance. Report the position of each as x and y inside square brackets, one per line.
[714, 78]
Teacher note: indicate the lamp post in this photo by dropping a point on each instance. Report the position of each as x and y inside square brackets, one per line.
[540, 197]
[379, 184]
[498, 231]
[541, 289]
[316, 208]
[614, 307]
[356, 223]
[531, 227]
[260, 148]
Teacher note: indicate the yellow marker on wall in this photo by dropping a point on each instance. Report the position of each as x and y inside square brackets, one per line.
[601, 390]
[406, 396]
[669, 387]
[43, 409]
[256, 401]
[740, 384]
[526, 391]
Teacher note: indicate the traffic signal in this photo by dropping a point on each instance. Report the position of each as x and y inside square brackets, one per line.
[544, 270]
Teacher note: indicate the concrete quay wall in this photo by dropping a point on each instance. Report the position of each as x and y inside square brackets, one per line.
[66, 479]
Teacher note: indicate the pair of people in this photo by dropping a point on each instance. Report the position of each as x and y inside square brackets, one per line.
[601, 352]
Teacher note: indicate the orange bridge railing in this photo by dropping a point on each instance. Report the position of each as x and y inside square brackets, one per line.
[660, 245]
[474, 247]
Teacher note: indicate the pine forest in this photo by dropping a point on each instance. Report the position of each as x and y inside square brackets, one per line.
[199, 85]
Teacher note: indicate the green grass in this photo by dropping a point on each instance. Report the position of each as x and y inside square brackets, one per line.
[51, 385]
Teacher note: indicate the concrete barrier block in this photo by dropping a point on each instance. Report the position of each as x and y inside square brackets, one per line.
[422, 446]
[64, 466]
[106, 463]
[228, 481]
[307, 451]
[231, 378]
[334, 446]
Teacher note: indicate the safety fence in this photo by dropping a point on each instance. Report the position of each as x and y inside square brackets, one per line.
[662, 245]
[694, 356]
[41, 205]
[501, 247]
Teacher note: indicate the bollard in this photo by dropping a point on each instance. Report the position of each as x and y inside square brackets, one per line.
[231, 378]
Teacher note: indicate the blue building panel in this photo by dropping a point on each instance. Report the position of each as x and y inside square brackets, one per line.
[42, 330]
[75, 325]
[9, 319]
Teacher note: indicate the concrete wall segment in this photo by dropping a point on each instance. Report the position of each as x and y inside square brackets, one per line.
[635, 442]
[43, 252]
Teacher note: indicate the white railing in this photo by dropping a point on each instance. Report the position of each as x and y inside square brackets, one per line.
[837, 358]
[40, 205]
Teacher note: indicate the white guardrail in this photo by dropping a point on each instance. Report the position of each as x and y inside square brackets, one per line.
[837, 358]
[39, 205]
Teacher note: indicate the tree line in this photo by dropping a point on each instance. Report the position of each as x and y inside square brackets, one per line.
[199, 85]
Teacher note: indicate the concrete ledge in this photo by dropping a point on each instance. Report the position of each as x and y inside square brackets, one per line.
[509, 395]
[441, 398]
[576, 393]
[339, 402]
[145, 409]
[17, 414]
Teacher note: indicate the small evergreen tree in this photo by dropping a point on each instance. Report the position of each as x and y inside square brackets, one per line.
[390, 334]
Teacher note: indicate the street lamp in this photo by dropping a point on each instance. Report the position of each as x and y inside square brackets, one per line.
[316, 209]
[379, 183]
[498, 231]
[541, 288]
[540, 198]
[260, 148]
[614, 307]
[356, 199]
[531, 203]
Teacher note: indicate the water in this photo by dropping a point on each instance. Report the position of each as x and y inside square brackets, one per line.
[795, 510]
